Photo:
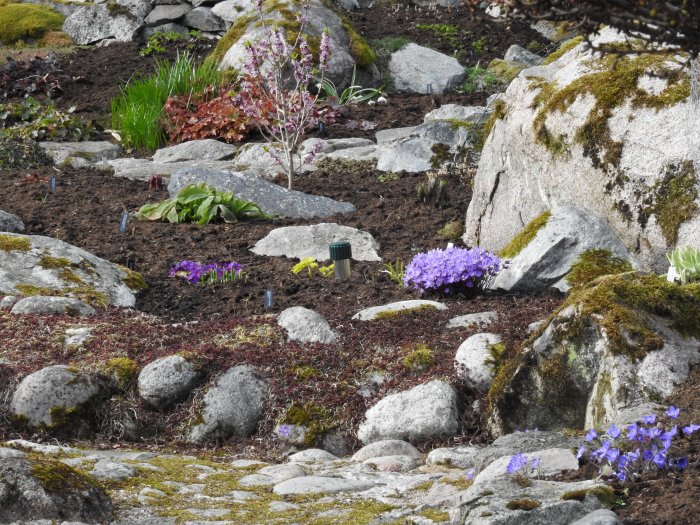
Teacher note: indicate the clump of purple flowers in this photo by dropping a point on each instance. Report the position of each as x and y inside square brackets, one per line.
[451, 270]
[639, 447]
[195, 272]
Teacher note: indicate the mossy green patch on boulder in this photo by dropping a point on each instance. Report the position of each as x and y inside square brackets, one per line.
[504, 71]
[10, 243]
[20, 22]
[500, 112]
[522, 239]
[562, 50]
[592, 264]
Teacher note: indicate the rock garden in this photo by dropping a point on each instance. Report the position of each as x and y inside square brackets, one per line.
[344, 263]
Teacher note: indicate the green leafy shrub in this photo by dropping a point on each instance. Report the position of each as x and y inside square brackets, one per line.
[479, 79]
[201, 204]
[686, 261]
[30, 119]
[137, 112]
[19, 22]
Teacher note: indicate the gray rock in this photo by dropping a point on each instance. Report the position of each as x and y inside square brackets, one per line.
[167, 380]
[10, 222]
[312, 241]
[59, 399]
[519, 178]
[480, 320]
[77, 336]
[163, 14]
[8, 301]
[43, 305]
[311, 455]
[306, 326]
[548, 258]
[457, 113]
[93, 23]
[165, 28]
[271, 198]
[387, 136]
[23, 497]
[356, 149]
[113, 471]
[599, 517]
[392, 463]
[320, 485]
[143, 169]
[551, 461]
[413, 153]
[283, 471]
[370, 314]
[43, 262]
[460, 457]
[7, 453]
[203, 19]
[40, 448]
[255, 158]
[423, 412]
[230, 10]
[387, 447]
[525, 443]
[414, 67]
[79, 154]
[472, 361]
[232, 406]
[206, 149]
[519, 55]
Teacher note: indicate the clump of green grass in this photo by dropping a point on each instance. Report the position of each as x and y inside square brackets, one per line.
[479, 79]
[19, 22]
[136, 112]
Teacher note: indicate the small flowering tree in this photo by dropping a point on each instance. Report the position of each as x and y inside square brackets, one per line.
[282, 107]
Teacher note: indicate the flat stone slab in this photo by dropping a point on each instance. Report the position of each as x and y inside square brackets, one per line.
[320, 485]
[143, 169]
[551, 461]
[480, 319]
[386, 136]
[79, 154]
[370, 314]
[272, 199]
[197, 150]
[312, 241]
[43, 305]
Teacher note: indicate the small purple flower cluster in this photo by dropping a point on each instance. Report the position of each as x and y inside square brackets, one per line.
[451, 269]
[519, 464]
[640, 447]
[196, 272]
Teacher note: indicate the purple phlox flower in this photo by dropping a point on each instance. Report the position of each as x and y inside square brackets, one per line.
[600, 453]
[648, 455]
[614, 432]
[516, 463]
[653, 433]
[284, 430]
[690, 429]
[581, 452]
[660, 459]
[649, 420]
[673, 412]
[591, 435]
[622, 476]
[470, 474]
[612, 454]
[534, 463]
[633, 431]
[682, 463]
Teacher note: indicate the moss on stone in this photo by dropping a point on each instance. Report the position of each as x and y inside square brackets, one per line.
[84, 293]
[12, 243]
[452, 231]
[53, 263]
[123, 370]
[595, 263]
[461, 483]
[391, 314]
[504, 71]
[58, 477]
[233, 35]
[564, 48]
[316, 419]
[20, 22]
[419, 357]
[522, 239]
[605, 495]
[436, 515]
[261, 335]
[496, 353]
[614, 82]
[523, 504]
[134, 280]
[359, 48]
[673, 200]
[305, 372]
[500, 112]
[62, 417]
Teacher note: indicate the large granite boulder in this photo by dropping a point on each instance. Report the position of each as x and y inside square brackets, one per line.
[45, 489]
[59, 399]
[35, 265]
[413, 67]
[348, 50]
[622, 341]
[616, 136]
[121, 20]
[9, 222]
[167, 380]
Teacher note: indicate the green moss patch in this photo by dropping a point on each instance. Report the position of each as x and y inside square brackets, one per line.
[123, 370]
[562, 50]
[133, 280]
[359, 48]
[12, 243]
[504, 71]
[419, 357]
[614, 82]
[673, 200]
[84, 293]
[391, 314]
[522, 239]
[523, 504]
[592, 264]
[20, 22]
[316, 419]
[606, 495]
[55, 476]
[500, 112]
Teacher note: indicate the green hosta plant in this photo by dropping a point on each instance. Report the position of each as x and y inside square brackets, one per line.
[201, 204]
[686, 261]
[353, 94]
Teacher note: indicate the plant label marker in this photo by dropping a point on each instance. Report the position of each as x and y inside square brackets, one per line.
[450, 245]
[341, 253]
[122, 222]
[52, 184]
[322, 132]
[429, 89]
[268, 299]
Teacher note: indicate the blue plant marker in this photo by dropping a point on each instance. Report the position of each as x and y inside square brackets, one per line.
[122, 222]
[322, 130]
[268, 300]
[52, 184]
[429, 89]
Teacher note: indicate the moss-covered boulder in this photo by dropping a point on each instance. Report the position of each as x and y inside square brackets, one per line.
[32, 265]
[610, 134]
[348, 49]
[618, 342]
[43, 489]
[23, 22]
